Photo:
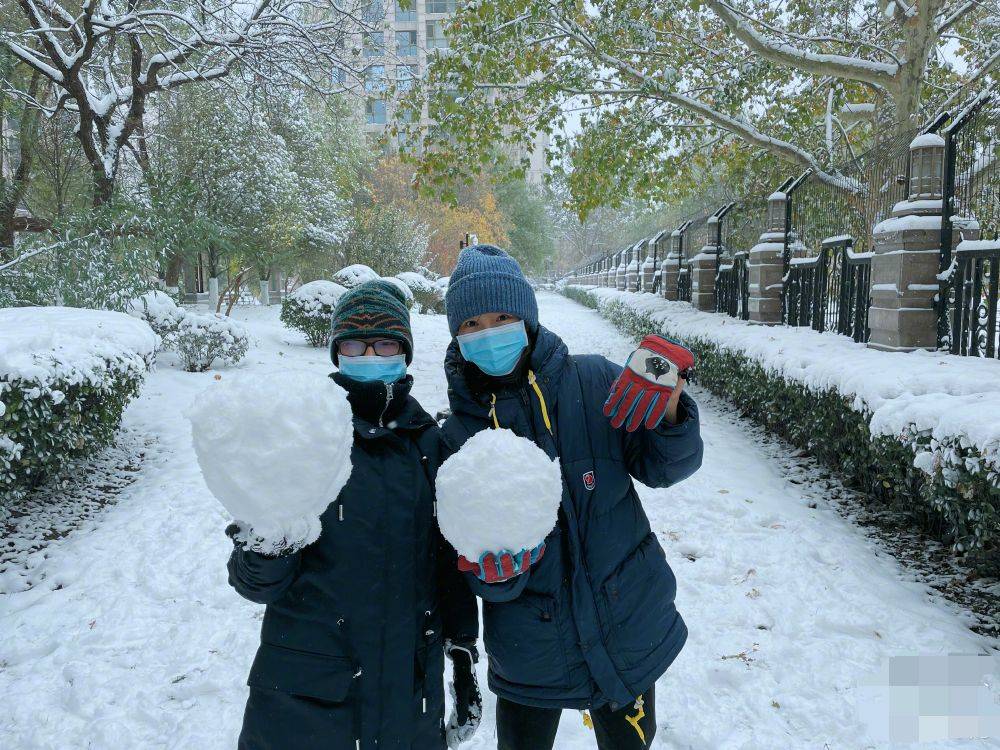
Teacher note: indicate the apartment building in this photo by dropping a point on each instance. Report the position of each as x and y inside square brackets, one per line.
[399, 55]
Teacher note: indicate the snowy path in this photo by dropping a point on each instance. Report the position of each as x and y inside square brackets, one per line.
[134, 639]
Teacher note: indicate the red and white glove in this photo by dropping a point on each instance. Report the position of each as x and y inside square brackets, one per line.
[502, 566]
[640, 394]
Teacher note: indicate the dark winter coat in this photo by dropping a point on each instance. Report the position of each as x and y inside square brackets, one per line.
[352, 638]
[594, 621]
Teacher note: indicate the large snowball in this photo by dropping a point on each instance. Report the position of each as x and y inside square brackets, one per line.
[275, 449]
[499, 492]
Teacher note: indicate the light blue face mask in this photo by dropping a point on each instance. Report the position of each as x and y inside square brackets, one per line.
[495, 351]
[373, 367]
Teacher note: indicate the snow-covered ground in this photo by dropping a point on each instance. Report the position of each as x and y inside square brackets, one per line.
[131, 637]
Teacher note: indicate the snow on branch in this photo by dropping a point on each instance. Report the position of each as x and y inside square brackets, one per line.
[662, 91]
[840, 66]
[106, 61]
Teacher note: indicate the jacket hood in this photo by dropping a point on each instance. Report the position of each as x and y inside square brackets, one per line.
[548, 358]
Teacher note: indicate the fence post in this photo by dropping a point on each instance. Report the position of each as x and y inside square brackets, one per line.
[903, 315]
[632, 268]
[649, 264]
[672, 262]
[765, 264]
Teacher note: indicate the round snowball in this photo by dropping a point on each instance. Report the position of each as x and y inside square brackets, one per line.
[499, 492]
[275, 449]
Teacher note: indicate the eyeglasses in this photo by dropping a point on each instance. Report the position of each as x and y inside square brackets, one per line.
[357, 348]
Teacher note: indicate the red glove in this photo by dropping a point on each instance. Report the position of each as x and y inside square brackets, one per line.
[502, 566]
[641, 392]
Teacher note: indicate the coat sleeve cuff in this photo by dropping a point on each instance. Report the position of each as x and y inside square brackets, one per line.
[687, 418]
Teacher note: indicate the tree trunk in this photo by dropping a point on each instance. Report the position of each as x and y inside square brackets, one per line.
[104, 186]
[172, 276]
[11, 198]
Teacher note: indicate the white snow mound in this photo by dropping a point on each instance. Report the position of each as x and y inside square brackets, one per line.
[275, 450]
[499, 492]
[352, 276]
[316, 296]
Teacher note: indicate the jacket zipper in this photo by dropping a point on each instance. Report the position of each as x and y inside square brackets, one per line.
[388, 400]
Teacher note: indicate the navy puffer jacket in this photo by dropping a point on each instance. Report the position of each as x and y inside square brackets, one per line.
[353, 634]
[594, 622]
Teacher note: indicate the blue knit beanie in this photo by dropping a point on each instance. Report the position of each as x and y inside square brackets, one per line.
[486, 279]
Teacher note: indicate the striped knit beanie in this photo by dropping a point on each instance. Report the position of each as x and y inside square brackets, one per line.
[373, 309]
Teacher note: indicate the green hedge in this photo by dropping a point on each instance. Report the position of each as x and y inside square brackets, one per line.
[45, 427]
[956, 504]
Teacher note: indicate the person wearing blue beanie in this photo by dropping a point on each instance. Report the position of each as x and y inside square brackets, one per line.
[586, 619]
[487, 279]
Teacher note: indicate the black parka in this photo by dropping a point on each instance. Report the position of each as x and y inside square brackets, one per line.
[353, 634]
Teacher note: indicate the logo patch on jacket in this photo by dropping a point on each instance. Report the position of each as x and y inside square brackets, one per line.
[588, 480]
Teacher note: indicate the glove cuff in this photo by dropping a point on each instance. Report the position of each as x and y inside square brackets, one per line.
[244, 536]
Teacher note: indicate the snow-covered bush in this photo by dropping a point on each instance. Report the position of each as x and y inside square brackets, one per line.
[275, 450]
[403, 289]
[310, 308]
[355, 275]
[499, 492]
[204, 337]
[160, 311]
[917, 432]
[66, 375]
[425, 293]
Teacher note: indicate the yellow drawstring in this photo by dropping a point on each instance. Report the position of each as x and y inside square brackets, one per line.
[541, 400]
[634, 720]
[493, 412]
[587, 721]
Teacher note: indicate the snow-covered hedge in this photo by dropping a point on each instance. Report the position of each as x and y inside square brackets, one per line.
[204, 337]
[403, 289]
[66, 376]
[918, 431]
[160, 311]
[352, 276]
[426, 293]
[310, 308]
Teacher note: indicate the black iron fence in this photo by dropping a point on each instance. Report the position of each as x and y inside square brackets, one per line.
[967, 309]
[827, 233]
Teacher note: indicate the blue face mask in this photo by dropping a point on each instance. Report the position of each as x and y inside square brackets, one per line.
[372, 367]
[495, 351]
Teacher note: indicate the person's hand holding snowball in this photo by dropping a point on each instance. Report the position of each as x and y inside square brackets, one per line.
[248, 433]
[498, 498]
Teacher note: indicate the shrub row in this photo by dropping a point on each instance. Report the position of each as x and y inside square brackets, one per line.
[58, 409]
[946, 486]
[198, 338]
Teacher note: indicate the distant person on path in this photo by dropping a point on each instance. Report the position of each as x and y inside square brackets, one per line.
[358, 623]
[586, 620]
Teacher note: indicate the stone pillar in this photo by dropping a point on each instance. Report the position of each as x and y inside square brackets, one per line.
[620, 272]
[648, 273]
[907, 246]
[632, 272]
[702, 268]
[671, 267]
[765, 266]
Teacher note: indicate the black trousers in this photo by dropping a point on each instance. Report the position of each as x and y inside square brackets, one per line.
[522, 727]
